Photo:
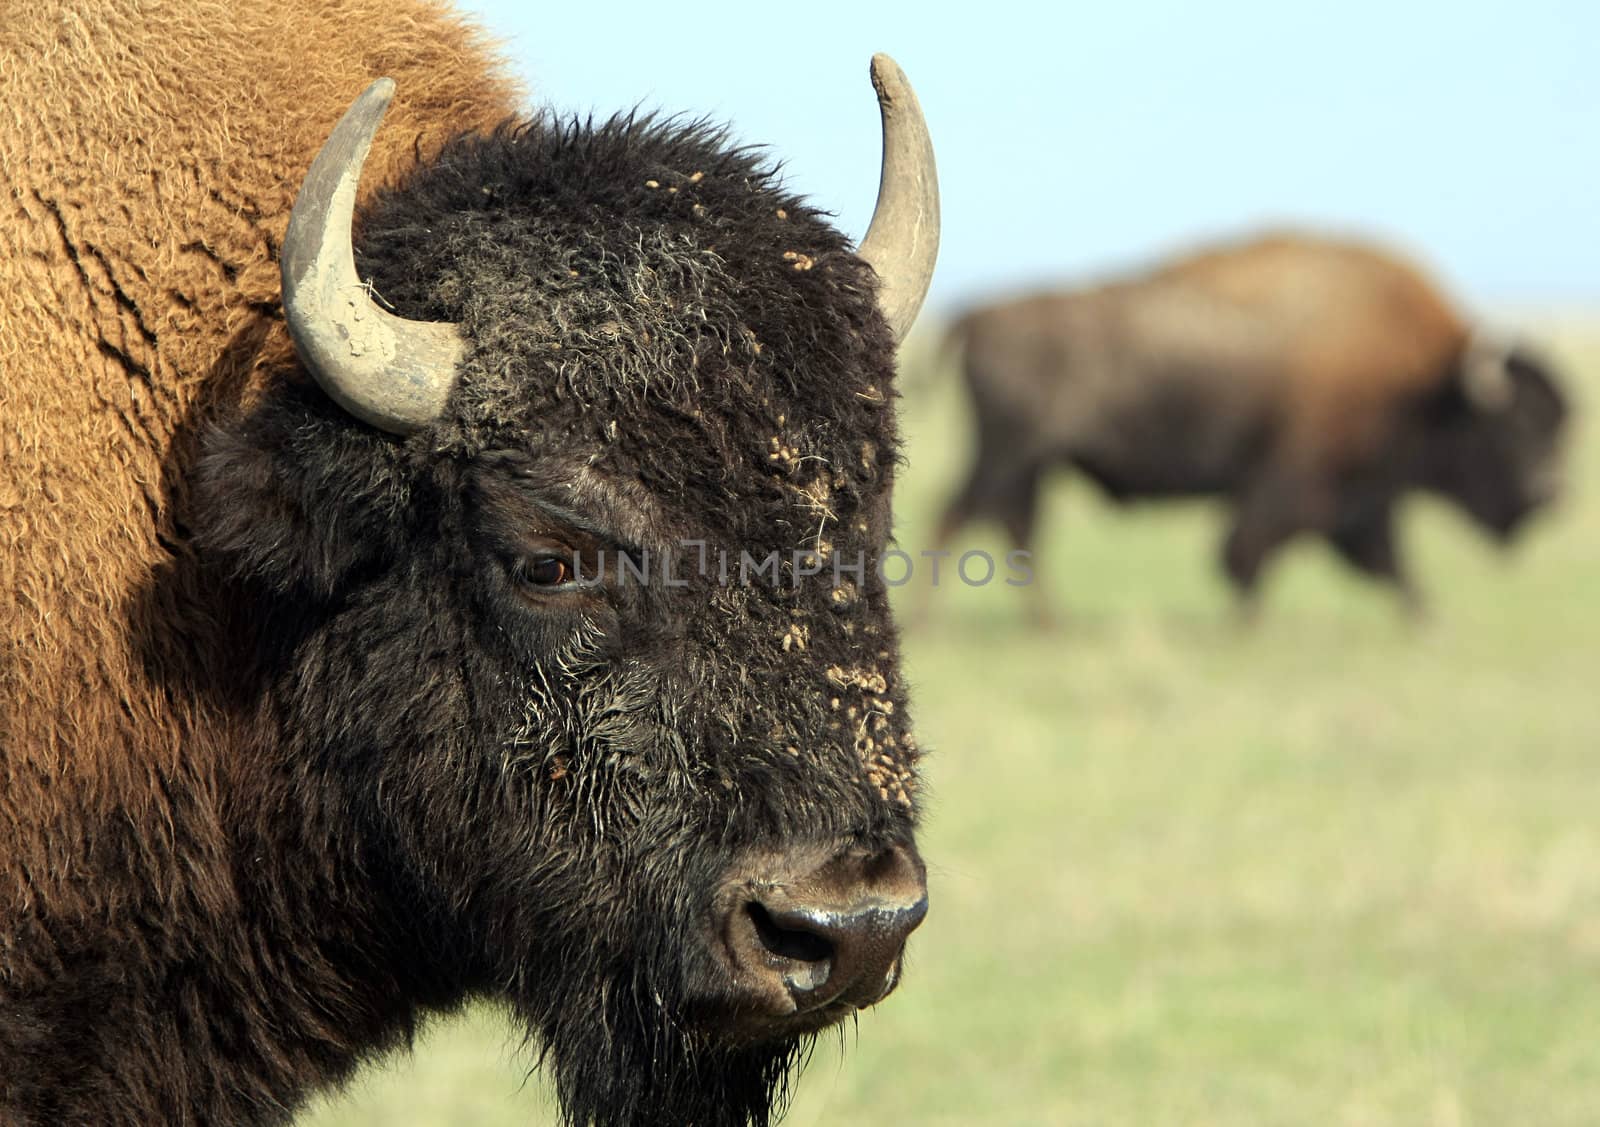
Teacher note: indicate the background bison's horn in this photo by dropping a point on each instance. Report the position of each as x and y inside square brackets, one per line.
[1486, 371]
[903, 239]
[392, 373]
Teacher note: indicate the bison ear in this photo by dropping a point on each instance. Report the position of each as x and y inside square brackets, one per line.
[294, 498]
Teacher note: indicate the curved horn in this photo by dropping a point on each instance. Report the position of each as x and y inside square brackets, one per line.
[386, 371]
[902, 241]
[1485, 371]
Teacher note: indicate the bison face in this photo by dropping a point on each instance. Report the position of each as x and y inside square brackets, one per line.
[597, 659]
[1498, 442]
[724, 700]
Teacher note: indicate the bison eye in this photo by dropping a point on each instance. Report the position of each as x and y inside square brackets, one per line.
[545, 571]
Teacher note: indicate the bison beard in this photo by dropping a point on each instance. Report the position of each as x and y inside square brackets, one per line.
[618, 1057]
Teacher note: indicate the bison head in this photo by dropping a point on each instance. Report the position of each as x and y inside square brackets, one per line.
[570, 600]
[1498, 437]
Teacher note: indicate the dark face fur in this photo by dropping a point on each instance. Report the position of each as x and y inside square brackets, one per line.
[575, 778]
[1502, 463]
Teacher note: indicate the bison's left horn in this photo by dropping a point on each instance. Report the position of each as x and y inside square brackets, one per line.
[385, 370]
[1486, 371]
[902, 241]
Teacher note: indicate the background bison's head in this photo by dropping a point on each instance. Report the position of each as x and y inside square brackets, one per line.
[595, 660]
[1496, 450]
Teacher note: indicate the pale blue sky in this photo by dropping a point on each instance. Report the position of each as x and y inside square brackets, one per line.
[1074, 139]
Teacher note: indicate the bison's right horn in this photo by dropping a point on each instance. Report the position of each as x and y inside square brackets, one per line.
[902, 241]
[1486, 371]
[385, 370]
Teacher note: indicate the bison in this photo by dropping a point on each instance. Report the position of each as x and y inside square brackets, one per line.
[322, 705]
[1310, 381]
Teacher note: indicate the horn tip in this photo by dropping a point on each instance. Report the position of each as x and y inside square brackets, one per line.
[887, 77]
[380, 92]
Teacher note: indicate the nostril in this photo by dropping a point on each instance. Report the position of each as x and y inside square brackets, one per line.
[786, 942]
[821, 938]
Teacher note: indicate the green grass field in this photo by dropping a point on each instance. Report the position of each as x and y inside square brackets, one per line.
[1336, 869]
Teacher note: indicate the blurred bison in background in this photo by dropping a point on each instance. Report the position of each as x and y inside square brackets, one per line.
[311, 723]
[1310, 381]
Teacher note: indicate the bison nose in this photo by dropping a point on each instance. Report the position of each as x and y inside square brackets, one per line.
[832, 937]
[824, 955]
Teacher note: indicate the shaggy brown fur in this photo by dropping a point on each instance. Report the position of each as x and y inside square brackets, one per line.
[150, 154]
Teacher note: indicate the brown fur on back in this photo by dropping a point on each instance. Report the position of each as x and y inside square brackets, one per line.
[1366, 329]
[150, 153]
[1350, 330]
